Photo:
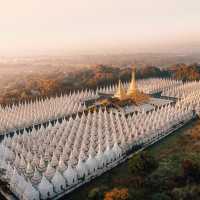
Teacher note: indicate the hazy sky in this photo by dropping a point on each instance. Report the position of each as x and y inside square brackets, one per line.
[88, 25]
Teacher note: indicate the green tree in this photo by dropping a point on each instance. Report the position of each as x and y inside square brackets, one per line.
[142, 164]
[95, 194]
[189, 192]
[191, 170]
[161, 196]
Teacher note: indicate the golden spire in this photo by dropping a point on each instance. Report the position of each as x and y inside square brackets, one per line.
[120, 93]
[133, 87]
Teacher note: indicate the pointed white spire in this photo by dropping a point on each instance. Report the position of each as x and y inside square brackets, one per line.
[82, 168]
[45, 188]
[54, 160]
[29, 170]
[92, 162]
[59, 182]
[41, 166]
[49, 171]
[61, 165]
[36, 177]
[70, 175]
[30, 193]
[22, 164]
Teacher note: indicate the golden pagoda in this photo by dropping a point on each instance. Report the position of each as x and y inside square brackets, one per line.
[121, 97]
[132, 90]
[132, 94]
[120, 93]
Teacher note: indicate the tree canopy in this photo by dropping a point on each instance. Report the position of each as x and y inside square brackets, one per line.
[142, 164]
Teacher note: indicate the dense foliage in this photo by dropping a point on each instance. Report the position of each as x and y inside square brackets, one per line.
[117, 194]
[34, 86]
[142, 164]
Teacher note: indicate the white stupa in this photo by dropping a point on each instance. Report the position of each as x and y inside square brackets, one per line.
[45, 188]
[58, 182]
[30, 193]
[70, 175]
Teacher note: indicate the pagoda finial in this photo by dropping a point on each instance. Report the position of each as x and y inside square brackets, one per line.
[120, 93]
[133, 87]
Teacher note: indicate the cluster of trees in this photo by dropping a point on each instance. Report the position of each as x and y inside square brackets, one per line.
[142, 164]
[60, 82]
[34, 86]
[185, 72]
[188, 184]
[114, 194]
[117, 194]
[149, 181]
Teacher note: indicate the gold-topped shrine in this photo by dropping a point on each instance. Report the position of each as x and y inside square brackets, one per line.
[121, 97]
[132, 94]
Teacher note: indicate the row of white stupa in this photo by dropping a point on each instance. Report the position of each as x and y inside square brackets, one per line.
[48, 161]
[188, 92]
[26, 114]
[182, 90]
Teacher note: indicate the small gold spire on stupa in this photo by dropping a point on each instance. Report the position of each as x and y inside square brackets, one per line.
[120, 93]
[133, 86]
[132, 94]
